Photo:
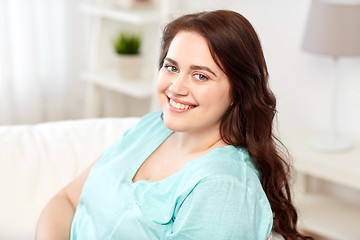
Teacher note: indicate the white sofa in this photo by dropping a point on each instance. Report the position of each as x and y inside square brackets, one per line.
[36, 161]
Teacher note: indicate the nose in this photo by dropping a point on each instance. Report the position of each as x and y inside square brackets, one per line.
[179, 85]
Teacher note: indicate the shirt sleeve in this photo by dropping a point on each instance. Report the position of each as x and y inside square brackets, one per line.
[223, 209]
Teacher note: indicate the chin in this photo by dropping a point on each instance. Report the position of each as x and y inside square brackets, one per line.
[173, 123]
[169, 122]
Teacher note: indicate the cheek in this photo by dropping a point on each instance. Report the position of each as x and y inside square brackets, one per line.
[161, 84]
[217, 94]
[220, 98]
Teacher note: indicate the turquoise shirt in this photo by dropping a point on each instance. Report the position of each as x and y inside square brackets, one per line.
[216, 196]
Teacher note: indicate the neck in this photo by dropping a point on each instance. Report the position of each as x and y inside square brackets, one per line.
[197, 142]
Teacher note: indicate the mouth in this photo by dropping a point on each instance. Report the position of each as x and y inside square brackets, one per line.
[180, 106]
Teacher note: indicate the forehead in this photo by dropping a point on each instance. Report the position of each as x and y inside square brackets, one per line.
[188, 35]
[191, 47]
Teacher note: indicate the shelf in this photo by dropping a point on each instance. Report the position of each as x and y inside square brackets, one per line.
[325, 215]
[342, 168]
[139, 88]
[141, 16]
[328, 217]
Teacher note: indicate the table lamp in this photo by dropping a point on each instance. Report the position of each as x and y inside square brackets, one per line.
[333, 29]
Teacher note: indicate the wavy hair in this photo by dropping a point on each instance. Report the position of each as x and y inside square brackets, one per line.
[248, 122]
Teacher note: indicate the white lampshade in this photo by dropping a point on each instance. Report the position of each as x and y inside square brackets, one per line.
[333, 29]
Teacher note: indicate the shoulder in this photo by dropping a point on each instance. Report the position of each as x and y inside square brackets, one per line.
[227, 170]
[150, 120]
[149, 129]
[148, 126]
[225, 164]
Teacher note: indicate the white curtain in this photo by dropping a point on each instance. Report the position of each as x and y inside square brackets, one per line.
[42, 51]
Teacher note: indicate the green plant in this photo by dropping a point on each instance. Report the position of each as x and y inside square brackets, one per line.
[127, 44]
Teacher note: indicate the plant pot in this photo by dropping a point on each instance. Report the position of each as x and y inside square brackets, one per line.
[132, 4]
[128, 66]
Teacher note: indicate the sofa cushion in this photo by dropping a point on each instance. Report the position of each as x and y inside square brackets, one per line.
[36, 161]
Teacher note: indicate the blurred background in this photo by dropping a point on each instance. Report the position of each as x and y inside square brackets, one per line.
[45, 46]
[57, 63]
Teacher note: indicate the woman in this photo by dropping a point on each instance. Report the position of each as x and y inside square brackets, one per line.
[206, 166]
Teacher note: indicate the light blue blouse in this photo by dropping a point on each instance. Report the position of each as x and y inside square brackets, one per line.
[217, 196]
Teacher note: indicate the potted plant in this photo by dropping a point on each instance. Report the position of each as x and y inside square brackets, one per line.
[127, 49]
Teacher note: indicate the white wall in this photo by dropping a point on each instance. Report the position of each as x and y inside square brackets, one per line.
[300, 80]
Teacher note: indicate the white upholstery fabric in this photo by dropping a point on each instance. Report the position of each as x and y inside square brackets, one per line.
[36, 161]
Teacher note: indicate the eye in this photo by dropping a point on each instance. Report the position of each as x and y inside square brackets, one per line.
[171, 68]
[201, 77]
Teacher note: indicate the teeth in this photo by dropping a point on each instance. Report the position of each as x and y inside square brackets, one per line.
[179, 105]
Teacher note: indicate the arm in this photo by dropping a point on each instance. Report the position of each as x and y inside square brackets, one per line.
[56, 218]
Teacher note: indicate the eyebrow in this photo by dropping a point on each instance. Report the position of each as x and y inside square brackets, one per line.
[193, 67]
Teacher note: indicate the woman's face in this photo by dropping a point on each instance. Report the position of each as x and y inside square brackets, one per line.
[193, 92]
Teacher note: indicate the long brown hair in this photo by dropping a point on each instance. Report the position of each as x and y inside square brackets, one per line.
[248, 122]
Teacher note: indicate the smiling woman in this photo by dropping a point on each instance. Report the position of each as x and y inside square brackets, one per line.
[206, 166]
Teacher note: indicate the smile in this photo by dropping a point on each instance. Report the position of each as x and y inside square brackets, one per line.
[177, 106]
[180, 105]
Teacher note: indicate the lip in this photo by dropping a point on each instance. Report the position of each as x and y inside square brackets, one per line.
[173, 109]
